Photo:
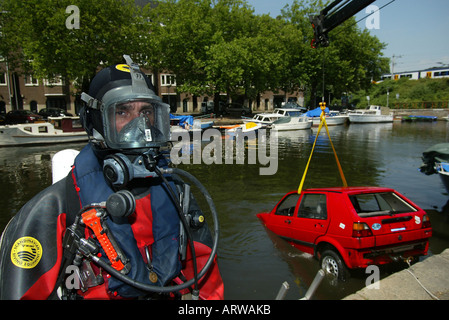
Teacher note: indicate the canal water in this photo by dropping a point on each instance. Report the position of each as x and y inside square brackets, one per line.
[253, 261]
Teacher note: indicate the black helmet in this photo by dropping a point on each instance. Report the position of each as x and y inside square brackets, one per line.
[123, 112]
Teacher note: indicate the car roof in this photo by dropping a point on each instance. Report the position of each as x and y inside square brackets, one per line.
[351, 190]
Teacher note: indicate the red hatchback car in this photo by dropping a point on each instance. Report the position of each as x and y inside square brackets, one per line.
[349, 228]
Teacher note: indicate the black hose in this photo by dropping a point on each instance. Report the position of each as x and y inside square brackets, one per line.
[151, 288]
[184, 223]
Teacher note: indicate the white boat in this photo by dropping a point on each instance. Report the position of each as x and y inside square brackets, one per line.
[292, 123]
[375, 114]
[265, 119]
[290, 112]
[38, 133]
[243, 128]
[332, 119]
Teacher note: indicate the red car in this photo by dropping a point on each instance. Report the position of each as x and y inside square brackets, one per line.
[349, 228]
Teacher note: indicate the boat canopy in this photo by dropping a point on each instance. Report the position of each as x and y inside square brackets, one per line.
[316, 112]
[183, 120]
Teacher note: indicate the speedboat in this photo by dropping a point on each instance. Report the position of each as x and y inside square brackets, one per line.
[243, 128]
[40, 133]
[292, 123]
[373, 114]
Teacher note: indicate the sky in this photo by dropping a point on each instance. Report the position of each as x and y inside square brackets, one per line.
[416, 32]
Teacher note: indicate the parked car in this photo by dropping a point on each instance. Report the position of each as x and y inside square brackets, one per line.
[350, 228]
[22, 116]
[236, 109]
[54, 112]
[209, 107]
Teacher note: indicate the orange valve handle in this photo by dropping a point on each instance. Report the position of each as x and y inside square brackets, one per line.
[91, 220]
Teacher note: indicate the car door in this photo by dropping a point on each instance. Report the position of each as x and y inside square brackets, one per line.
[310, 221]
[280, 220]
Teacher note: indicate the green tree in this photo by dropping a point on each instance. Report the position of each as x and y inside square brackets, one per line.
[202, 42]
[35, 36]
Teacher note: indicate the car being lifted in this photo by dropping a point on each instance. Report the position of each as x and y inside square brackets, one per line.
[351, 227]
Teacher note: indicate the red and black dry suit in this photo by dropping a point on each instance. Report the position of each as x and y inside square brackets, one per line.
[31, 253]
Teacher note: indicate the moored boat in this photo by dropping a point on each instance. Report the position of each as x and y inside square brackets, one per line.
[436, 161]
[265, 119]
[373, 114]
[333, 118]
[244, 128]
[292, 123]
[38, 133]
[413, 118]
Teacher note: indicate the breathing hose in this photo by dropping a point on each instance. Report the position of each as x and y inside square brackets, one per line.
[197, 275]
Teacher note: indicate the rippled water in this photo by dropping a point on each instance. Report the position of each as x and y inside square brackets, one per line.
[254, 262]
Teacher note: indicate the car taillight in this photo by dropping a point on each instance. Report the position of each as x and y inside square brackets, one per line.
[361, 229]
[426, 222]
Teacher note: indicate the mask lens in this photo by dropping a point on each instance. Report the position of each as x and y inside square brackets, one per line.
[137, 124]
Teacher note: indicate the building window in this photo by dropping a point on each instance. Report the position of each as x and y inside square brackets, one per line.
[168, 80]
[2, 79]
[30, 80]
[151, 77]
[56, 81]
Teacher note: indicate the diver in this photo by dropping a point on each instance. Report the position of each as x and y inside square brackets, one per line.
[122, 223]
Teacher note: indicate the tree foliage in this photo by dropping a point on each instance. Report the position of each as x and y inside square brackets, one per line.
[35, 36]
[213, 46]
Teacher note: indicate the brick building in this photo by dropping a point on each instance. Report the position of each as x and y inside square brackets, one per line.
[25, 92]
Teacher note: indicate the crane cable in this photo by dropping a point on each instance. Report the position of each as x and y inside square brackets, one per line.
[322, 121]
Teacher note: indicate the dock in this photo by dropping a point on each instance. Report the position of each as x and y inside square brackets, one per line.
[425, 280]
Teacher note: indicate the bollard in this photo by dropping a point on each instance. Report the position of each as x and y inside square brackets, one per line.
[315, 284]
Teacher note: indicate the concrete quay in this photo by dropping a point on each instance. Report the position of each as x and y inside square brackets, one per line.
[440, 113]
[431, 282]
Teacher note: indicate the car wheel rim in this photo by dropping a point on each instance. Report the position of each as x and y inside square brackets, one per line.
[330, 266]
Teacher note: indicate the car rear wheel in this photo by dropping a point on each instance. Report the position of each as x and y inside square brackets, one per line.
[333, 265]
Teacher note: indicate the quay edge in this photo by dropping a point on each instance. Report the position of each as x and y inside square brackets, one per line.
[432, 274]
[439, 113]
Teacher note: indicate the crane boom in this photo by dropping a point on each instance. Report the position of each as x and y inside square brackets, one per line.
[332, 16]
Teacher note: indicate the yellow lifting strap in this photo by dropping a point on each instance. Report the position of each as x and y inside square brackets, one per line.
[322, 121]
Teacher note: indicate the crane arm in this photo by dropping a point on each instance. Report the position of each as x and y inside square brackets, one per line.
[332, 16]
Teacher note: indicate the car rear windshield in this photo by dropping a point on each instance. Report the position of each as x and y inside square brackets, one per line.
[376, 204]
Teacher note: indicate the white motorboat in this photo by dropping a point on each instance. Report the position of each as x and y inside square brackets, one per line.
[292, 123]
[374, 114]
[38, 133]
[290, 112]
[265, 119]
[332, 119]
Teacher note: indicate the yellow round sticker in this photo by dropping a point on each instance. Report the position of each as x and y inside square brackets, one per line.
[26, 252]
[122, 67]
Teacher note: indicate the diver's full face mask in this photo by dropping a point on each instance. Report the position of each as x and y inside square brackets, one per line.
[136, 123]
